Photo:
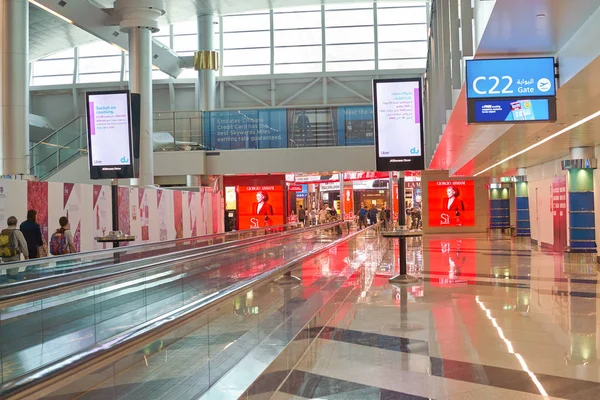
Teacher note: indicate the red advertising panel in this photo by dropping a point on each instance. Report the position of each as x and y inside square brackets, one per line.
[260, 206]
[451, 203]
[348, 204]
[395, 210]
[559, 212]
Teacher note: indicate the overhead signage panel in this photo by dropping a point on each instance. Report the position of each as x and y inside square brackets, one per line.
[510, 78]
[398, 124]
[110, 146]
[512, 110]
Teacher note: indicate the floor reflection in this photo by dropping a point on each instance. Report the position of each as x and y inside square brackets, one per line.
[491, 317]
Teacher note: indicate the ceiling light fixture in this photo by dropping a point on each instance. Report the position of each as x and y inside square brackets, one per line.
[547, 139]
[541, 16]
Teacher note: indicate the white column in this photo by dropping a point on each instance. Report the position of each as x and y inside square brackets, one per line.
[342, 208]
[140, 81]
[140, 19]
[206, 77]
[193, 180]
[14, 102]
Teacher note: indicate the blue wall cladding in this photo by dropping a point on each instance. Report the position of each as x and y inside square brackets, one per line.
[522, 215]
[581, 201]
[582, 220]
[499, 213]
[583, 234]
[523, 203]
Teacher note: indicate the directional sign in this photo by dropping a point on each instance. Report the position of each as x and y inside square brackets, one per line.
[510, 77]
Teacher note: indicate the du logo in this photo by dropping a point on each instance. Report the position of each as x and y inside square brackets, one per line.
[124, 160]
[414, 150]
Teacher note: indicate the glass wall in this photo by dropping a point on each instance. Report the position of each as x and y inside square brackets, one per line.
[312, 39]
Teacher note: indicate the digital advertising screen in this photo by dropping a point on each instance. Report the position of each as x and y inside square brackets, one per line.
[260, 206]
[398, 124]
[451, 203]
[512, 110]
[109, 134]
[510, 78]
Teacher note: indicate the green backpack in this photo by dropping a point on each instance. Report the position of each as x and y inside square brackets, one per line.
[8, 245]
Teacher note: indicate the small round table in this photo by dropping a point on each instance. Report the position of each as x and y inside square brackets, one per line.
[115, 240]
[401, 235]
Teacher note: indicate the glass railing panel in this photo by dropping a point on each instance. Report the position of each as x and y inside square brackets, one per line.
[184, 361]
[62, 146]
[89, 312]
[44, 271]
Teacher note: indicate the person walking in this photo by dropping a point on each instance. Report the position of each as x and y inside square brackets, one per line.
[313, 217]
[12, 245]
[323, 214]
[33, 234]
[302, 215]
[362, 217]
[62, 240]
[372, 215]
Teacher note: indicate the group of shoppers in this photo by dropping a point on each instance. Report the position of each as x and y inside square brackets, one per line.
[28, 242]
[370, 216]
[325, 215]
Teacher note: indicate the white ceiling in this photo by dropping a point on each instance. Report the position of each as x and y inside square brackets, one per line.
[515, 29]
[63, 35]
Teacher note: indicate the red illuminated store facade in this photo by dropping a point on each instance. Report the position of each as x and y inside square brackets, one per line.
[255, 201]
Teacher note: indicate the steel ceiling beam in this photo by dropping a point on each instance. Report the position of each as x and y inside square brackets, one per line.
[97, 22]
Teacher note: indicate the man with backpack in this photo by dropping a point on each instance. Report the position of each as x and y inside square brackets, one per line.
[12, 245]
[62, 241]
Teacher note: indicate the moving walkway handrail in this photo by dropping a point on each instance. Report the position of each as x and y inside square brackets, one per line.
[34, 294]
[66, 257]
[106, 254]
[68, 368]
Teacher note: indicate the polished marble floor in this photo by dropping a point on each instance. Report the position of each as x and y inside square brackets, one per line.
[489, 319]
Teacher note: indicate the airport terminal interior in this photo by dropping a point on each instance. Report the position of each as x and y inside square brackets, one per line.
[299, 199]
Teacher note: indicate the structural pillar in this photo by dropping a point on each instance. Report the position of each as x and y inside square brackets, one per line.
[522, 203]
[206, 62]
[499, 208]
[193, 181]
[14, 106]
[139, 18]
[342, 208]
[582, 226]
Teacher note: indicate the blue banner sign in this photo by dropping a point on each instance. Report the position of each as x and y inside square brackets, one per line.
[510, 78]
[355, 126]
[512, 110]
[245, 129]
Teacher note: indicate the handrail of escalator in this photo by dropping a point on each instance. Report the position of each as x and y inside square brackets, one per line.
[107, 253]
[26, 295]
[30, 384]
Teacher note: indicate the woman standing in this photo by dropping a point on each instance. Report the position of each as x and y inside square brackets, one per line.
[33, 234]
